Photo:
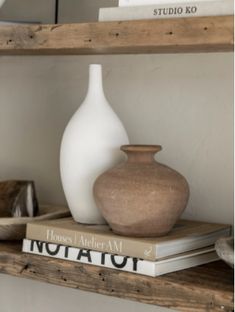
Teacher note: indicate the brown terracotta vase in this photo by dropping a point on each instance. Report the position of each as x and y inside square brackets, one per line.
[141, 197]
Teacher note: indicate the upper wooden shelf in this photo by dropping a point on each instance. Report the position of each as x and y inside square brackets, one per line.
[203, 288]
[197, 34]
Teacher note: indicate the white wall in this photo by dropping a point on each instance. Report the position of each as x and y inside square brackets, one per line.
[184, 102]
[42, 11]
[75, 11]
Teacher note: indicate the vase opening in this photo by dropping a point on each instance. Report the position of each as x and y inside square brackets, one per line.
[141, 148]
[141, 153]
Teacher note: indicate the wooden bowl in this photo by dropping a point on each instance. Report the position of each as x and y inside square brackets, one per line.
[15, 228]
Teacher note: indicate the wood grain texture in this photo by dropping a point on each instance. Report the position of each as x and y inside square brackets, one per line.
[204, 288]
[197, 34]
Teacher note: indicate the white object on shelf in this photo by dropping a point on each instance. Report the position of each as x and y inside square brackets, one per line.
[225, 250]
[122, 263]
[170, 10]
[1, 3]
[125, 3]
[90, 145]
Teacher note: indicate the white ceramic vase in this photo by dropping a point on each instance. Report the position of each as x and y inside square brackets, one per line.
[90, 146]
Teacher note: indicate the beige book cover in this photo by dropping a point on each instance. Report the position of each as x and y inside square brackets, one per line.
[185, 236]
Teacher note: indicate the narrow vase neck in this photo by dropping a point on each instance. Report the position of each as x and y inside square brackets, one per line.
[141, 153]
[95, 86]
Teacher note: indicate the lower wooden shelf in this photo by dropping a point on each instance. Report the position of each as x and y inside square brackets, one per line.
[203, 288]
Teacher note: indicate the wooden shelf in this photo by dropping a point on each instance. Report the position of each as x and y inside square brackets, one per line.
[204, 288]
[197, 34]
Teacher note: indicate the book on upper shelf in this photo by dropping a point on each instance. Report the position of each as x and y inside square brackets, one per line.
[129, 3]
[168, 10]
[123, 263]
[185, 236]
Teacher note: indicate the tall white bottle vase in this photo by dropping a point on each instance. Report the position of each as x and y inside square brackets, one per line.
[90, 146]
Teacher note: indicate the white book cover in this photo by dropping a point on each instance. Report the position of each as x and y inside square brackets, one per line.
[128, 3]
[124, 263]
[170, 10]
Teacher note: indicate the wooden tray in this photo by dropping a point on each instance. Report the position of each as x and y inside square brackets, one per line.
[15, 228]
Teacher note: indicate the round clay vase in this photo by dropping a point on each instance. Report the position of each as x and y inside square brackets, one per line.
[141, 197]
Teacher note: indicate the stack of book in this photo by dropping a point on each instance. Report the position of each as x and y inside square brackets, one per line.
[189, 244]
[155, 9]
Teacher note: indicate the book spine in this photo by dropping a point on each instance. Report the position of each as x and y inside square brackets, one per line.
[168, 248]
[161, 11]
[130, 3]
[103, 243]
[123, 263]
[186, 262]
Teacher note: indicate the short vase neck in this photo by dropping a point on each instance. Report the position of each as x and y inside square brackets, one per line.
[141, 153]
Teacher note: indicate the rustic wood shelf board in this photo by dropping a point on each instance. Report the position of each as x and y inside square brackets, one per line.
[204, 288]
[197, 34]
